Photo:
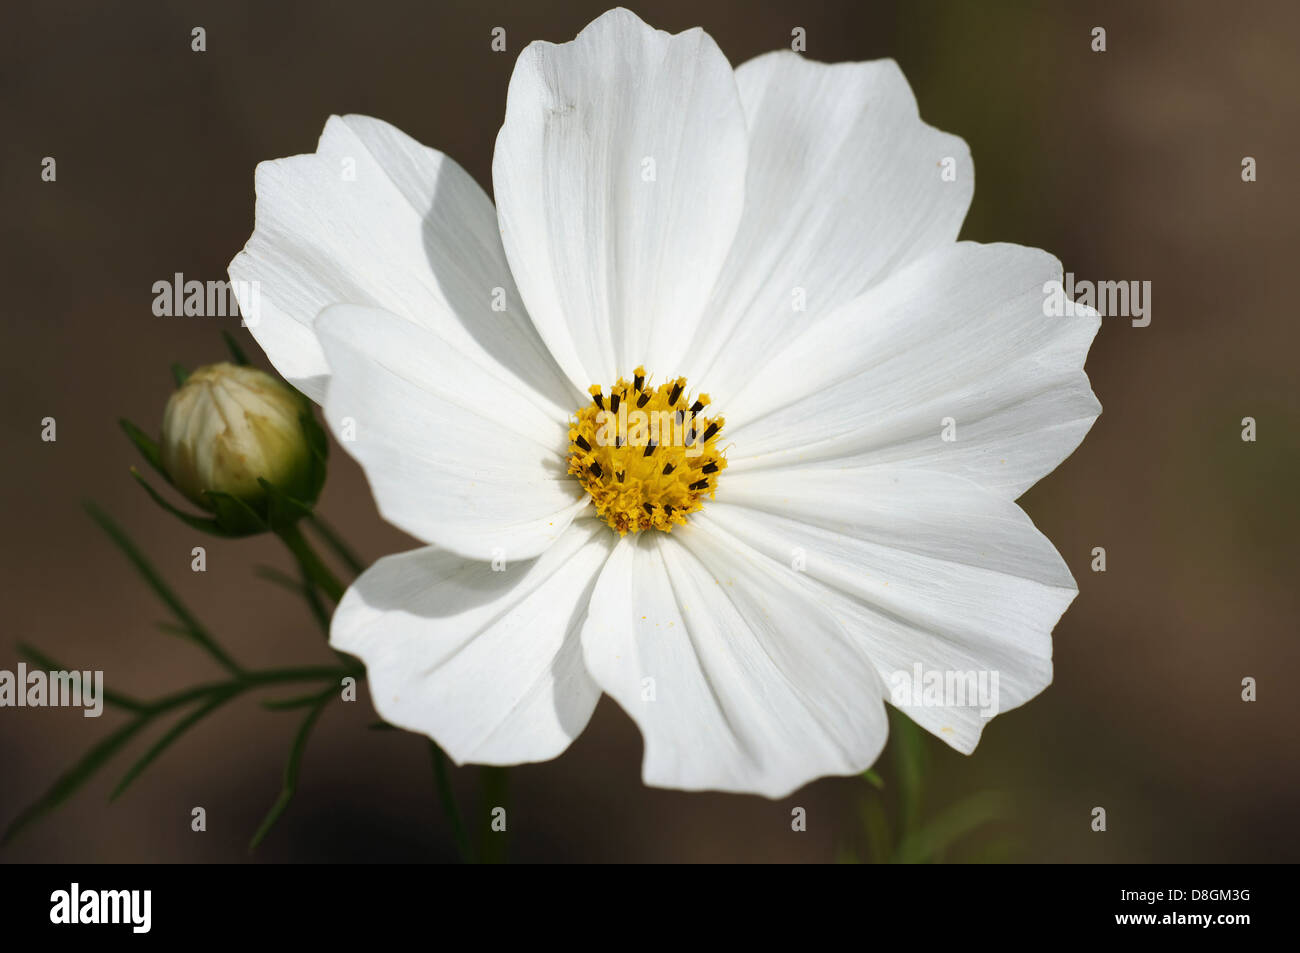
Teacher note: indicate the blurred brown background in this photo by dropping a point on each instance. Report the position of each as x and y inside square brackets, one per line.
[1124, 164]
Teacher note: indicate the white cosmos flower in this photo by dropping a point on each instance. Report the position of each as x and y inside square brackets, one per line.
[656, 208]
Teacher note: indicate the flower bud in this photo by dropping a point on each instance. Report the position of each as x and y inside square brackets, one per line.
[227, 426]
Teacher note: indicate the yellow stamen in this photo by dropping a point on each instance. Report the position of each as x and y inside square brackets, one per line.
[645, 454]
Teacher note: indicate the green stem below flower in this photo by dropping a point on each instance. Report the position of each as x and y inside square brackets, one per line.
[336, 543]
[493, 844]
[447, 798]
[311, 564]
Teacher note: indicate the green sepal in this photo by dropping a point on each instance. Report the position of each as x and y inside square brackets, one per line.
[204, 524]
[235, 516]
[147, 446]
[238, 518]
[282, 509]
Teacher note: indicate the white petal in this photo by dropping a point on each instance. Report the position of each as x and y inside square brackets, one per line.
[374, 218]
[845, 185]
[923, 567]
[486, 663]
[961, 336]
[737, 680]
[619, 177]
[456, 455]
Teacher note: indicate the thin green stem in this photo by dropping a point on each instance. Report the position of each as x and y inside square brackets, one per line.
[928, 844]
[270, 676]
[311, 564]
[311, 593]
[336, 543]
[448, 799]
[308, 590]
[279, 577]
[116, 699]
[215, 701]
[910, 762]
[292, 768]
[496, 794]
[164, 592]
[212, 695]
[67, 784]
[207, 697]
[288, 704]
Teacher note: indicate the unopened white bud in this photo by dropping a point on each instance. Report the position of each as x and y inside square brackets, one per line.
[226, 426]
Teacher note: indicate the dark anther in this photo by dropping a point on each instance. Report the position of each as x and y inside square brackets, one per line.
[618, 441]
[643, 400]
[649, 449]
[668, 468]
[697, 406]
[620, 476]
[699, 484]
[648, 507]
[582, 442]
[709, 468]
[637, 382]
[595, 468]
[710, 431]
[668, 509]
[599, 399]
[677, 392]
[613, 403]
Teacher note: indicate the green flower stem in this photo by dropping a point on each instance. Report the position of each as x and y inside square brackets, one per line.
[212, 695]
[311, 564]
[910, 763]
[928, 844]
[41, 660]
[336, 543]
[215, 701]
[164, 592]
[302, 586]
[292, 767]
[317, 578]
[311, 592]
[448, 800]
[248, 680]
[496, 793]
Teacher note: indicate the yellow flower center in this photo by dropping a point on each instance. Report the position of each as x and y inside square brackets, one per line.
[645, 454]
